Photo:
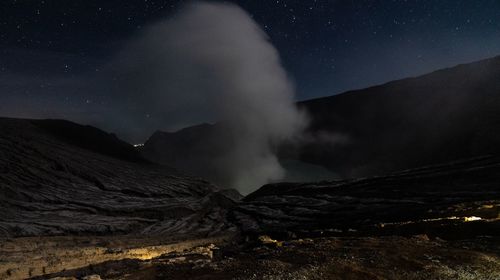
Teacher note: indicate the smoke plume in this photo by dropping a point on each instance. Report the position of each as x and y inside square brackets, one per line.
[209, 63]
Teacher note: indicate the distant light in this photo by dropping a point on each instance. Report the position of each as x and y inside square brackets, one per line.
[472, 218]
[138, 145]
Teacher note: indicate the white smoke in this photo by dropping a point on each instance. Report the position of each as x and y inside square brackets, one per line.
[212, 62]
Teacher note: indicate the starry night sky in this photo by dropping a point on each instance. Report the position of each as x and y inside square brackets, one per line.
[326, 46]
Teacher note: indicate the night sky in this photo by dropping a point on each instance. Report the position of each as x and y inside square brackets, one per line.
[327, 47]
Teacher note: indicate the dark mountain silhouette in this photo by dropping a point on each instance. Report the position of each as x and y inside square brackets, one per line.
[195, 149]
[91, 138]
[439, 117]
[191, 149]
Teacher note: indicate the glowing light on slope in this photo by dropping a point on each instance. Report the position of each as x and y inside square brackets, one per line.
[464, 219]
[472, 218]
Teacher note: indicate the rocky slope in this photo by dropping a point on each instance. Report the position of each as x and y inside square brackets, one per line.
[455, 200]
[93, 206]
[60, 178]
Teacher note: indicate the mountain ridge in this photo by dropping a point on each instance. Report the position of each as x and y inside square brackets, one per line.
[491, 59]
[438, 117]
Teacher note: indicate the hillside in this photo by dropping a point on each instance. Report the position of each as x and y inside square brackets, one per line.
[69, 210]
[446, 115]
[454, 200]
[436, 222]
[60, 178]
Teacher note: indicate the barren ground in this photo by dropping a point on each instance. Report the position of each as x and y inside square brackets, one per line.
[390, 257]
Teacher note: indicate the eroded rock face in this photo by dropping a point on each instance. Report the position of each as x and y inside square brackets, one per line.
[458, 199]
[57, 184]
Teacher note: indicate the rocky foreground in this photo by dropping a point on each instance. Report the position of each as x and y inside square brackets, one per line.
[78, 203]
[390, 257]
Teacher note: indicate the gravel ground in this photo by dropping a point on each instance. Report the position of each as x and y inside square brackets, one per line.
[389, 257]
